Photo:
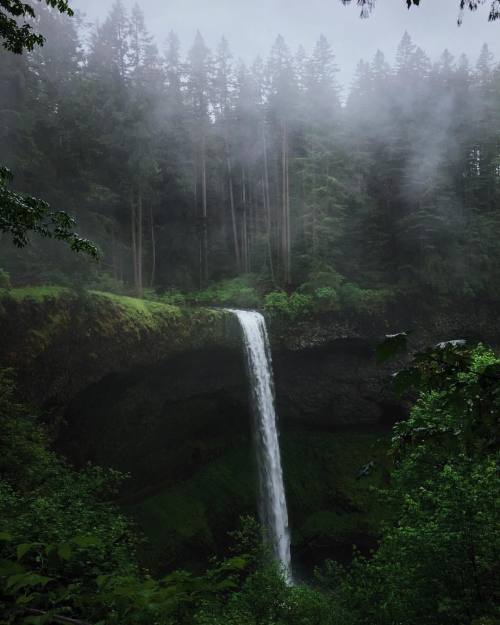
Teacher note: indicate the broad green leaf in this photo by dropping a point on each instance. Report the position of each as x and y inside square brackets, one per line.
[23, 549]
[26, 580]
[64, 551]
[9, 567]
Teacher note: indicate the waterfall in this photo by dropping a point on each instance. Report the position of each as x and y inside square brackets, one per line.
[272, 504]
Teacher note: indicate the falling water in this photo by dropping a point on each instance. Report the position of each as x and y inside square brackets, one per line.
[273, 511]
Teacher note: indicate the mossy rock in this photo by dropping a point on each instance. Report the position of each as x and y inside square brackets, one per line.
[61, 341]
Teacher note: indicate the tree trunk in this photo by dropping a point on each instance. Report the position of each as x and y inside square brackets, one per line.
[244, 236]
[139, 245]
[267, 205]
[153, 247]
[134, 243]
[231, 202]
[285, 228]
[113, 252]
[204, 245]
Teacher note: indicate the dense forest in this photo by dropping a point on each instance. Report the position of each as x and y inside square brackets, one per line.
[189, 168]
[249, 336]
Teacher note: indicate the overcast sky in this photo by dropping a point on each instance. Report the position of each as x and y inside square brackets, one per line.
[251, 26]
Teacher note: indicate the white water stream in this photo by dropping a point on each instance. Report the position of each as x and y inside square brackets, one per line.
[272, 504]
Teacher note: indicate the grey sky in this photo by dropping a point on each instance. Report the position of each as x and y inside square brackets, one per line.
[252, 25]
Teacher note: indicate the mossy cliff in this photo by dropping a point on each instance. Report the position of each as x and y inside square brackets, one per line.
[60, 342]
[160, 392]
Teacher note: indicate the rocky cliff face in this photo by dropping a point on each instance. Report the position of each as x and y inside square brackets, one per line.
[61, 344]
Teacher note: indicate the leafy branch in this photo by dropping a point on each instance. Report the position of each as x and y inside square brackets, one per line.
[21, 215]
[17, 36]
[368, 5]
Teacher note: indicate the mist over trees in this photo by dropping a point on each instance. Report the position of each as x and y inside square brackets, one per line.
[188, 166]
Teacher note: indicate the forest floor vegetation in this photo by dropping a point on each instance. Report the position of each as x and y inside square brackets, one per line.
[66, 550]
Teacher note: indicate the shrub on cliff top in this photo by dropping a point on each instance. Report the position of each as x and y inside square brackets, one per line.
[239, 292]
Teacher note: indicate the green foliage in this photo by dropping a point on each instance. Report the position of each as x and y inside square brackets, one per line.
[440, 557]
[17, 35]
[326, 299]
[106, 282]
[21, 215]
[310, 299]
[279, 303]
[36, 293]
[66, 552]
[265, 598]
[367, 301]
[58, 531]
[171, 297]
[239, 292]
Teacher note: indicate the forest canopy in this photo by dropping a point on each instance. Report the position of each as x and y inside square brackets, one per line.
[189, 167]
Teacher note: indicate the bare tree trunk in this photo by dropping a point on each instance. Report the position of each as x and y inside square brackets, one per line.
[252, 221]
[314, 217]
[113, 252]
[267, 205]
[288, 220]
[153, 247]
[133, 223]
[267, 229]
[139, 245]
[231, 203]
[197, 220]
[244, 236]
[204, 245]
[285, 232]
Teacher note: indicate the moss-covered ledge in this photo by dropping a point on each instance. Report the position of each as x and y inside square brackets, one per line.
[471, 321]
[59, 341]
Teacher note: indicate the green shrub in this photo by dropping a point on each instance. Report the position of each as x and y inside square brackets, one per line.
[438, 561]
[370, 301]
[108, 283]
[240, 292]
[326, 277]
[326, 299]
[266, 598]
[300, 305]
[278, 303]
[173, 298]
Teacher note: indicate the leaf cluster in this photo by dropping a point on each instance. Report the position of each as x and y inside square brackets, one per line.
[17, 36]
[21, 215]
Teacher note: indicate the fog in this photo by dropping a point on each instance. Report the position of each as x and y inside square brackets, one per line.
[187, 167]
[252, 26]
